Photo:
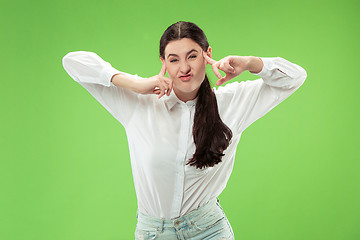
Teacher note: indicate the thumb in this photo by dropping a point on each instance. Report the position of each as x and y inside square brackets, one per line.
[223, 80]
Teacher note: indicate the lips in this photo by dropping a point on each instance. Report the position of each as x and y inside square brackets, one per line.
[186, 77]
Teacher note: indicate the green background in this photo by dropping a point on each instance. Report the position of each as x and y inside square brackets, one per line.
[65, 171]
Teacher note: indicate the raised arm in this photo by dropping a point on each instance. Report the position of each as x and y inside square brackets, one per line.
[249, 100]
[279, 79]
[88, 67]
[95, 74]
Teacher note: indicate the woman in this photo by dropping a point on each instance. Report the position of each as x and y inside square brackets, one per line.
[182, 133]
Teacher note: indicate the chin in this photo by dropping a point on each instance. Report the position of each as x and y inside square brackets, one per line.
[186, 87]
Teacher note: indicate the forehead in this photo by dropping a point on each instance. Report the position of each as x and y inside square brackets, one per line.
[181, 47]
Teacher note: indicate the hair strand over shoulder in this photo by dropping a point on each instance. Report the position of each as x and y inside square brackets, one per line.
[211, 135]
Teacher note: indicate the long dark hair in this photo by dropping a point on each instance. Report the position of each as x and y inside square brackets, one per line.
[211, 135]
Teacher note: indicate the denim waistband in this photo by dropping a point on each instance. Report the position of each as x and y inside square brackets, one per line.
[193, 215]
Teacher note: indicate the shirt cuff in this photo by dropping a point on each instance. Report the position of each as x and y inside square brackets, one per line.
[279, 72]
[268, 65]
[109, 71]
[107, 74]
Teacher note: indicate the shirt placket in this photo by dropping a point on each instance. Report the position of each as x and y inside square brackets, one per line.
[181, 157]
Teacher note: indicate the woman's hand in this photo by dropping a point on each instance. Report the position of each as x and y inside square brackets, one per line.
[158, 84]
[231, 65]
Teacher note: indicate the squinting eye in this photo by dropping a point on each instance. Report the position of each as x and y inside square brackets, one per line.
[192, 56]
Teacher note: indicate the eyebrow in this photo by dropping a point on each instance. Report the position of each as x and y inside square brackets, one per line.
[172, 54]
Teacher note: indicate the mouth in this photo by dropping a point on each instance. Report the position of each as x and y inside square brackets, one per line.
[186, 77]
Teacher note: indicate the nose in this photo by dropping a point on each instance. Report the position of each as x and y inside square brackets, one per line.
[184, 68]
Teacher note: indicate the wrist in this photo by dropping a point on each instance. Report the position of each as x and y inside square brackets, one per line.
[124, 81]
[255, 65]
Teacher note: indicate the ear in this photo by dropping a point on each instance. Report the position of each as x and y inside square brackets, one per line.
[162, 60]
[209, 52]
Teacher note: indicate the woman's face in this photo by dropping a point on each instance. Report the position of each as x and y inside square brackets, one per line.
[184, 57]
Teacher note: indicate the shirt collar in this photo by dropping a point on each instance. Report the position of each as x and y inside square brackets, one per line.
[172, 100]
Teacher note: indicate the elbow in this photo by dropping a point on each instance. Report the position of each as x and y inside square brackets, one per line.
[68, 62]
[303, 76]
[71, 57]
[299, 79]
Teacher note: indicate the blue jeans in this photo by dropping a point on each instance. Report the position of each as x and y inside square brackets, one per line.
[206, 222]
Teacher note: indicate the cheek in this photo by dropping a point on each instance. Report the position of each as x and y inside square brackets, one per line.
[200, 68]
[172, 75]
[170, 72]
[200, 65]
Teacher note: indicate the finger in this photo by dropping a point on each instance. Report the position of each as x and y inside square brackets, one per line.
[220, 82]
[162, 88]
[163, 70]
[170, 86]
[213, 64]
[156, 91]
[216, 70]
[229, 67]
[224, 67]
[166, 83]
[208, 59]
[221, 66]
[223, 80]
[161, 94]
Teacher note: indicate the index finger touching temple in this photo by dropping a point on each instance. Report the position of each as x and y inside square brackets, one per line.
[209, 59]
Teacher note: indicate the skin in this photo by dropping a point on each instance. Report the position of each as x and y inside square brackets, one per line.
[182, 64]
[195, 64]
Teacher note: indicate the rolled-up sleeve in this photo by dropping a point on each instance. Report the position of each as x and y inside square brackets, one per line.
[94, 74]
[250, 100]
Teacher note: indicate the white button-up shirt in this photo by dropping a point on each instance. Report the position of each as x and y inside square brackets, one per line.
[159, 131]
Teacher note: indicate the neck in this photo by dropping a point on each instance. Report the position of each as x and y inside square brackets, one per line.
[186, 96]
